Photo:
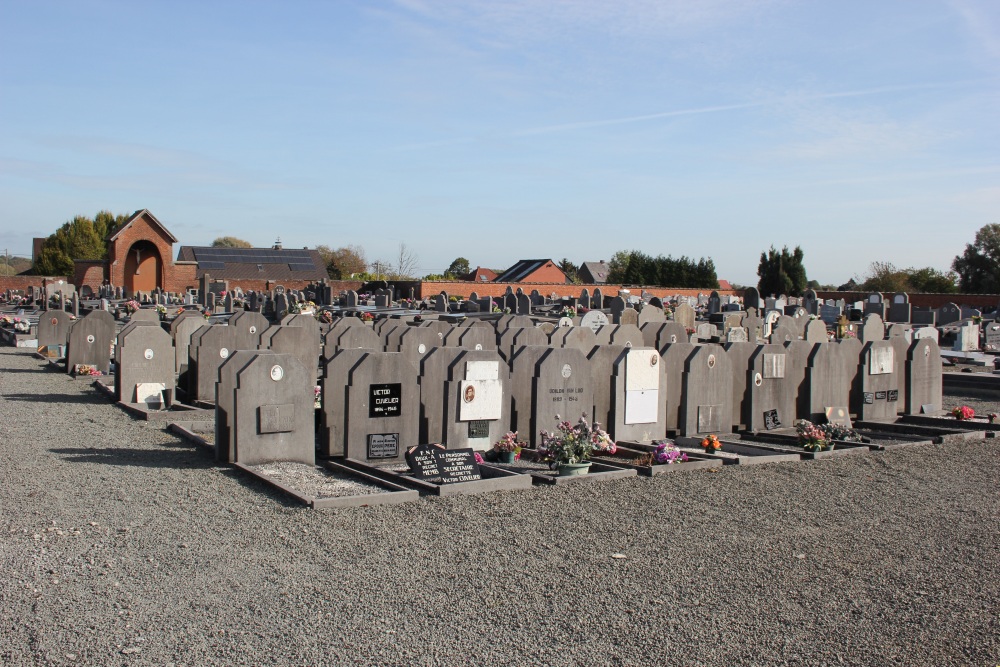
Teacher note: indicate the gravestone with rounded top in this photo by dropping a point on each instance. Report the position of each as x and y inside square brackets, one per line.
[923, 377]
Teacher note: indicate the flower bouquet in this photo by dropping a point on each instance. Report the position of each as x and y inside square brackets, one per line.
[667, 453]
[508, 448]
[811, 437]
[963, 412]
[711, 443]
[569, 448]
[132, 306]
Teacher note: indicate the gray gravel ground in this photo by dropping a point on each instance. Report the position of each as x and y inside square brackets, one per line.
[121, 544]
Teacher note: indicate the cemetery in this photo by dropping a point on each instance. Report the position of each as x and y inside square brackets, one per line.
[388, 398]
[539, 423]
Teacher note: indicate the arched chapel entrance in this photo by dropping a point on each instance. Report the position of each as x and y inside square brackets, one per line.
[143, 268]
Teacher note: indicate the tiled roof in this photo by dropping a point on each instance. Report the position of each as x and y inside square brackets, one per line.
[255, 263]
[152, 218]
[597, 272]
[521, 270]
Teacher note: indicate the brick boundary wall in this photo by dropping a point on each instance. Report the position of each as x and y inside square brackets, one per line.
[428, 288]
[26, 282]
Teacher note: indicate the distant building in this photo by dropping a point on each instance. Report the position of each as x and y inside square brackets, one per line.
[724, 284]
[481, 275]
[533, 271]
[594, 273]
[252, 264]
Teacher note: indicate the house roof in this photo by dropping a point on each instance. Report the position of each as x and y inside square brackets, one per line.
[521, 270]
[724, 284]
[255, 263]
[598, 271]
[135, 216]
[482, 275]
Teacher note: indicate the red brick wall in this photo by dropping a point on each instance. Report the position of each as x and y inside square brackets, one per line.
[465, 288]
[923, 300]
[89, 273]
[180, 276]
[550, 273]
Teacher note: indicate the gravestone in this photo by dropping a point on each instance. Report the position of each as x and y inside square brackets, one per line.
[736, 335]
[53, 331]
[876, 386]
[948, 313]
[183, 329]
[991, 337]
[706, 392]
[248, 328]
[302, 342]
[210, 346]
[684, 315]
[967, 339]
[89, 343]
[594, 320]
[638, 387]
[714, 303]
[923, 377]
[273, 417]
[872, 329]
[561, 388]
[383, 408]
[816, 332]
[927, 332]
[828, 374]
[514, 338]
[874, 305]
[674, 359]
[770, 398]
[899, 308]
[651, 314]
[580, 338]
[145, 356]
[476, 400]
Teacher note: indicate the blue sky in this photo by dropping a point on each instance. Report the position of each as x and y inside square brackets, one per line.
[497, 130]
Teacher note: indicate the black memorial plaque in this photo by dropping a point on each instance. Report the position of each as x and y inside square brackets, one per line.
[881, 395]
[869, 397]
[457, 465]
[893, 395]
[479, 428]
[771, 420]
[383, 445]
[385, 400]
[423, 461]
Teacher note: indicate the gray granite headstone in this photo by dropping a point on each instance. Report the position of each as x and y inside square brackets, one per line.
[383, 408]
[145, 357]
[828, 379]
[706, 393]
[923, 376]
[89, 343]
[876, 383]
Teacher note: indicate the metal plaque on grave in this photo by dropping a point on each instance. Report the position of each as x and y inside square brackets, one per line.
[708, 418]
[384, 400]
[276, 418]
[383, 445]
[423, 461]
[479, 428]
[771, 420]
[457, 465]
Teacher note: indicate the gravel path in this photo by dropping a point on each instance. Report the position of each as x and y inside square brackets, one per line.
[121, 544]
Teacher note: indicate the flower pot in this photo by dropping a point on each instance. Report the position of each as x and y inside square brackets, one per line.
[571, 469]
[506, 457]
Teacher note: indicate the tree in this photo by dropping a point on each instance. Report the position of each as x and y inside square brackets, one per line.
[782, 272]
[230, 242]
[571, 270]
[345, 262]
[405, 265]
[637, 268]
[458, 269]
[932, 281]
[80, 238]
[884, 277]
[978, 268]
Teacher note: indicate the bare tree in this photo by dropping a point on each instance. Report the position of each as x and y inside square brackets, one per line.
[405, 265]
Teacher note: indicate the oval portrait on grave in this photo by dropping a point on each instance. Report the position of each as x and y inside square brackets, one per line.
[421, 348]
[567, 370]
[654, 359]
[224, 353]
[253, 330]
[277, 372]
[757, 379]
[711, 361]
[54, 321]
[148, 353]
[470, 394]
[479, 346]
[90, 338]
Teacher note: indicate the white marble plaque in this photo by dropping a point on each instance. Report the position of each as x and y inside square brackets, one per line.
[151, 394]
[641, 406]
[482, 370]
[480, 399]
[642, 371]
[882, 361]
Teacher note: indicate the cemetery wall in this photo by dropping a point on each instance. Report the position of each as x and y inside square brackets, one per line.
[89, 272]
[26, 282]
[980, 301]
[427, 288]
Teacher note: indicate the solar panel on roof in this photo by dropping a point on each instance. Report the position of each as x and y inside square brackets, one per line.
[212, 266]
[301, 266]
